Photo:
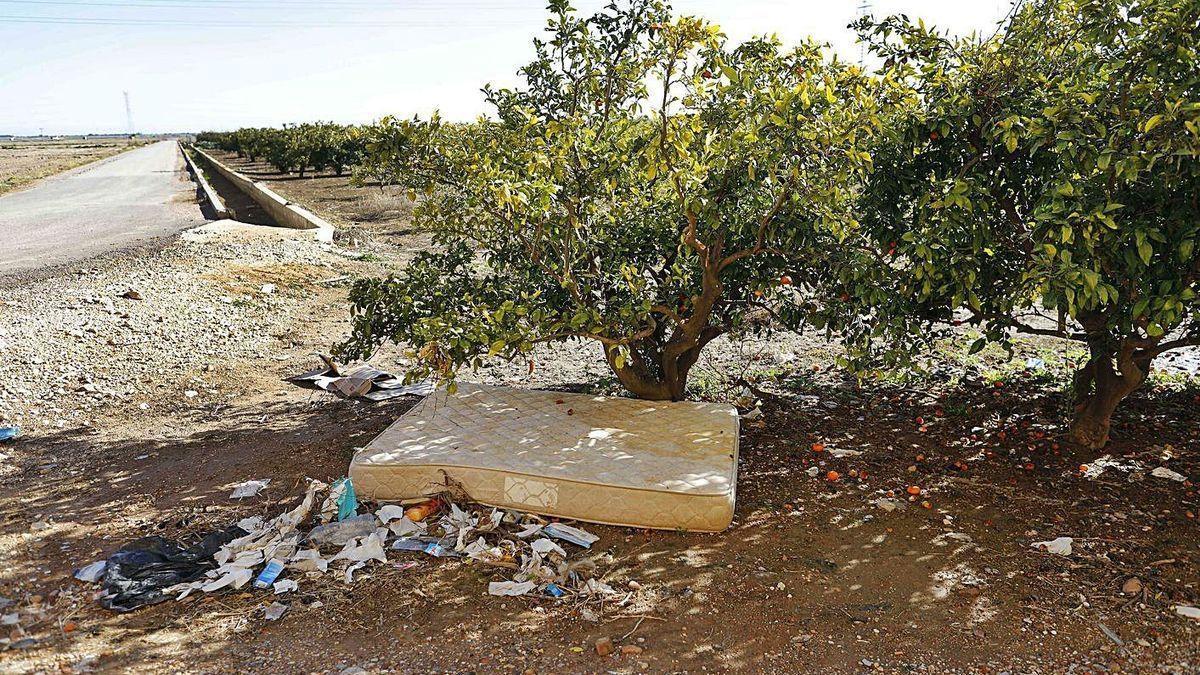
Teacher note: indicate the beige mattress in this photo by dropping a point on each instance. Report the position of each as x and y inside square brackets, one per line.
[605, 460]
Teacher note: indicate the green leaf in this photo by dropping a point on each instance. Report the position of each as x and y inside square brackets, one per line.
[496, 347]
[1146, 251]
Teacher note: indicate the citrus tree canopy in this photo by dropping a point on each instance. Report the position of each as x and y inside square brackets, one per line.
[1047, 183]
[650, 187]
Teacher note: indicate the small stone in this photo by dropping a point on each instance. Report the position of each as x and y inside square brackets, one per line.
[630, 650]
[1132, 586]
[604, 646]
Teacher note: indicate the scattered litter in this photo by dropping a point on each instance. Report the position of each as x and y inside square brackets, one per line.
[407, 528]
[1164, 472]
[1104, 462]
[423, 510]
[362, 549]
[544, 546]
[258, 552]
[1059, 546]
[274, 611]
[389, 512]
[249, 489]
[1188, 611]
[276, 538]
[250, 523]
[1034, 363]
[433, 548]
[9, 433]
[574, 535]
[267, 289]
[230, 576]
[139, 573]
[812, 471]
[361, 381]
[341, 501]
[269, 574]
[91, 573]
[510, 587]
[339, 532]
[308, 561]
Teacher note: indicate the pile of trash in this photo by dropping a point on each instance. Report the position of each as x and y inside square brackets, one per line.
[360, 381]
[278, 554]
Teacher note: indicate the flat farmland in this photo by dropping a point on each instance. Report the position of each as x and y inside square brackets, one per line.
[24, 161]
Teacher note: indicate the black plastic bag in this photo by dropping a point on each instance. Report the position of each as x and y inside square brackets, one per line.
[139, 570]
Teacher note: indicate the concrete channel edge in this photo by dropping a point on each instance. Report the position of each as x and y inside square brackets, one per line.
[210, 195]
[284, 212]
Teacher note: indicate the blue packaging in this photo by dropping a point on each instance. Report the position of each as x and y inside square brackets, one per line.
[269, 574]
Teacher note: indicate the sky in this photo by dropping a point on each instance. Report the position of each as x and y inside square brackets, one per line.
[190, 65]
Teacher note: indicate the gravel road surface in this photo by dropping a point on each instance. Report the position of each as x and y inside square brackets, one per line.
[129, 199]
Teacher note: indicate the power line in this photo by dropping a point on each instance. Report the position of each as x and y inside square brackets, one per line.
[262, 4]
[241, 23]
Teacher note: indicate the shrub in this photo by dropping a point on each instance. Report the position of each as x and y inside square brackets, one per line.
[650, 187]
[1050, 170]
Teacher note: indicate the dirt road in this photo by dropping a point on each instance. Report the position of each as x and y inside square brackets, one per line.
[129, 199]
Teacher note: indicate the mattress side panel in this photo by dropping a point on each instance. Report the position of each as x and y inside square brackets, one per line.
[591, 502]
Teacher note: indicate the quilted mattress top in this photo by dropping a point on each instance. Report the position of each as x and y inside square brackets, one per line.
[683, 447]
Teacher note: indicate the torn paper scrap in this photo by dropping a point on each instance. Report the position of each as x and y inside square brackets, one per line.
[510, 587]
[1164, 472]
[93, 572]
[544, 546]
[574, 535]
[1059, 546]
[389, 512]
[249, 488]
[274, 611]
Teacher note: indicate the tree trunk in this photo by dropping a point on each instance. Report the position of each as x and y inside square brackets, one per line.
[664, 379]
[1100, 387]
[659, 374]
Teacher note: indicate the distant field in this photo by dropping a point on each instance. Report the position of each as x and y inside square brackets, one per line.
[25, 161]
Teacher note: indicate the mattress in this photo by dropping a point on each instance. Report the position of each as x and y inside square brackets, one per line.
[616, 461]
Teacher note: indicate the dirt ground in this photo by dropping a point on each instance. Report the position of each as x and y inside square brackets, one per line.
[24, 161]
[140, 416]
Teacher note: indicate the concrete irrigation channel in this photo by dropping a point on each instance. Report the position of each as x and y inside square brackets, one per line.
[283, 212]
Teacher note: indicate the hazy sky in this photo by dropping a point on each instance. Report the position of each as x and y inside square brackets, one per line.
[218, 64]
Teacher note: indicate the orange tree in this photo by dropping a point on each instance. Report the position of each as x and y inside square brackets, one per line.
[650, 187]
[1047, 183]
